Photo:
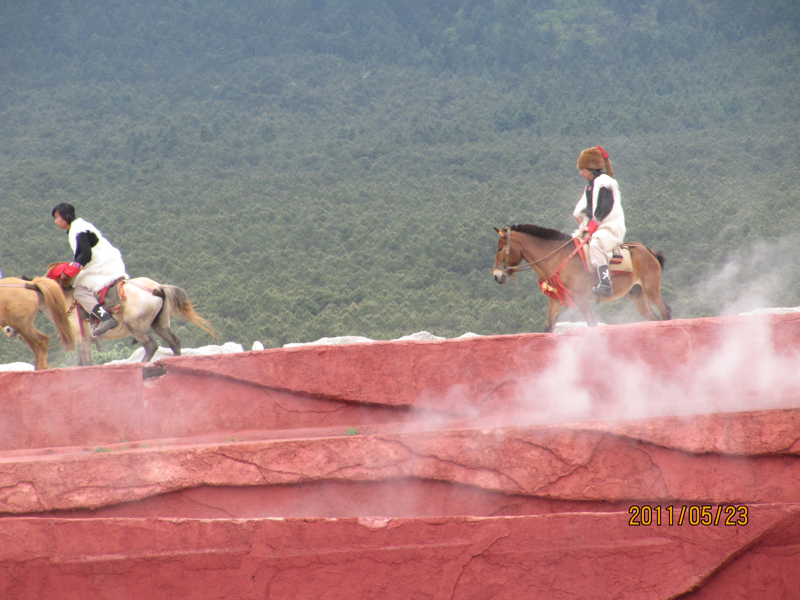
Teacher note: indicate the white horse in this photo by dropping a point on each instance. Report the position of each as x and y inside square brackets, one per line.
[144, 304]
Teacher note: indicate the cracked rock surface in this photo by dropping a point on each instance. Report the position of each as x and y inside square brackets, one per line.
[655, 460]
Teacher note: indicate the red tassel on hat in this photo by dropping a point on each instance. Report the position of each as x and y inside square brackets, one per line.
[606, 160]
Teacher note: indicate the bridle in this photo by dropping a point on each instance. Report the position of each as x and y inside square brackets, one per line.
[507, 252]
[528, 264]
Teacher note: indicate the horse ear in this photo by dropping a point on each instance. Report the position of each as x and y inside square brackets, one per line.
[497, 230]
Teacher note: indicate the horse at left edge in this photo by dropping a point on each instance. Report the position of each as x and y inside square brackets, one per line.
[21, 301]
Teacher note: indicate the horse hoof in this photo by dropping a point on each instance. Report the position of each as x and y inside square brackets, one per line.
[10, 331]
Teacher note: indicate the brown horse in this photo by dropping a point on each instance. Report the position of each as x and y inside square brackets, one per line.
[20, 300]
[145, 304]
[545, 250]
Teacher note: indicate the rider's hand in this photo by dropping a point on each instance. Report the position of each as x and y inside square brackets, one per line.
[592, 226]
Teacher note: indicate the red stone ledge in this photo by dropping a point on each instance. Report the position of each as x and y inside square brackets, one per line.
[647, 369]
[124, 482]
[559, 557]
[465, 376]
[574, 463]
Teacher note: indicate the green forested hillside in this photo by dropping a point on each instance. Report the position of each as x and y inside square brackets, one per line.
[330, 167]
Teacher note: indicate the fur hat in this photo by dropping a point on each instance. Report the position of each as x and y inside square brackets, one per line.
[595, 159]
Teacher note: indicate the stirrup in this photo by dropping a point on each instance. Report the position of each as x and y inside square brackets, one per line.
[603, 290]
[104, 325]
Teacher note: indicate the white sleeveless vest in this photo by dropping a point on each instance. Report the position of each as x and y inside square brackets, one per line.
[106, 265]
[615, 220]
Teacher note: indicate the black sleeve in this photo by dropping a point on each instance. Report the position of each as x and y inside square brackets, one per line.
[86, 240]
[605, 202]
[588, 210]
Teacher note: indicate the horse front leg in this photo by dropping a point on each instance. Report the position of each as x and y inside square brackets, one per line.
[553, 310]
[85, 352]
[585, 306]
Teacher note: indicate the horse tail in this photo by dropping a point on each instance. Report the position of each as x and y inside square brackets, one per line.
[56, 305]
[179, 301]
[659, 257]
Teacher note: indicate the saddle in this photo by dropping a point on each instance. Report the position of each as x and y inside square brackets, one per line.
[620, 262]
[110, 296]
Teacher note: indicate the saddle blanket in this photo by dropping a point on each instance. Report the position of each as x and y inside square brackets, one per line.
[620, 260]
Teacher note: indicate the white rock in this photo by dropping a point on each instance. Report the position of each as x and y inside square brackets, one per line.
[567, 326]
[420, 336]
[17, 366]
[233, 347]
[772, 311]
[226, 348]
[345, 339]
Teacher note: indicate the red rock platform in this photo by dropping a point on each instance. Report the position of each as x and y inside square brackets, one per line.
[654, 460]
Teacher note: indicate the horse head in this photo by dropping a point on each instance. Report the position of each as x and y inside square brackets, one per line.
[507, 258]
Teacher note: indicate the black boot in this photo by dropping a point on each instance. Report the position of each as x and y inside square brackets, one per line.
[106, 321]
[604, 288]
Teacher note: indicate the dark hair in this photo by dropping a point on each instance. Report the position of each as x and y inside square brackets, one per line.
[596, 172]
[67, 212]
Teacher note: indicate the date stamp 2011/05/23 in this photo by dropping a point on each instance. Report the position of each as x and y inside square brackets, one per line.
[704, 515]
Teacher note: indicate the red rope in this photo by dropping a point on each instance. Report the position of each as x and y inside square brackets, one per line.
[553, 286]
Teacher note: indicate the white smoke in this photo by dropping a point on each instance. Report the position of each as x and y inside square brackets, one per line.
[742, 370]
[760, 276]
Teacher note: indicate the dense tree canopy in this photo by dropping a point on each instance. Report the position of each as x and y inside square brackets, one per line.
[310, 168]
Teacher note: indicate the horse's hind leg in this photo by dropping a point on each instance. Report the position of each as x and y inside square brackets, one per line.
[664, 308]
[652, 292]
[39, 343]
[649, 265]
[149, 344]
[161, 326]
[170, 338]
[639, 300]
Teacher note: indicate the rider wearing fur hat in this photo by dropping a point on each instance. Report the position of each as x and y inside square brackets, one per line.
[96, 265]
[599, 211]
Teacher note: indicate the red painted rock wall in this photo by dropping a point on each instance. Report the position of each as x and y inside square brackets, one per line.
[497, 467]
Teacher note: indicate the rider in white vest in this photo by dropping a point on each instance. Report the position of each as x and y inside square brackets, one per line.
[96, 265]
[599, 211]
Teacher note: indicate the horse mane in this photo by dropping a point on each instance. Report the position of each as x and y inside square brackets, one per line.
[541, 232]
